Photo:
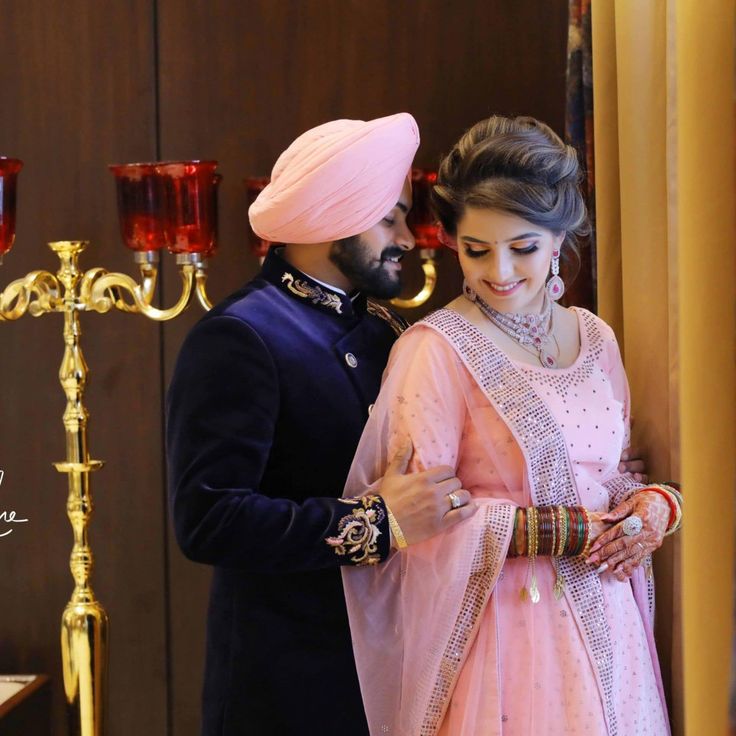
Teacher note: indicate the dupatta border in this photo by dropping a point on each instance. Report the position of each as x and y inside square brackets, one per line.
[551, 482]
[485, 568]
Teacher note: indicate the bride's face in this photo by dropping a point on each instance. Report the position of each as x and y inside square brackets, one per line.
[505, 259]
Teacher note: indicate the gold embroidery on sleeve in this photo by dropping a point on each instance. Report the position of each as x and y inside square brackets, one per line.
[358, 531]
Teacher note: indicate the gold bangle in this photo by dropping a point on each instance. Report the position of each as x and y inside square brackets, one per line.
[563, 530]
[673, 491]
[674, 501]
[677, 523]
[517, 536]
[533, 551]
[535, 547]
[393, 525]
[588, 540]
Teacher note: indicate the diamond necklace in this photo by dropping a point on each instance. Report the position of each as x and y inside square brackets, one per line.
[532, 330]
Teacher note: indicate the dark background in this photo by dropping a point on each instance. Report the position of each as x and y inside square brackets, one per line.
[84, 84]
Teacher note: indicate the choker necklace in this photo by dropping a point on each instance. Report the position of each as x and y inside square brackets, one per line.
[529, 330]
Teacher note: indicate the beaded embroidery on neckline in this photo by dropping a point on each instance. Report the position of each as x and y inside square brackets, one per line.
[563, 379]
[550, 475]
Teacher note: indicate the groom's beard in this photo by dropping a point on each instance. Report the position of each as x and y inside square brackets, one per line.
[368, 274]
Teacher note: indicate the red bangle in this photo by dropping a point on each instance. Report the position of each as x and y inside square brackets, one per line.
[670, 502]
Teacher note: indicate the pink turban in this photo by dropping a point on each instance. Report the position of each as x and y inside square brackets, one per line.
[336, 180]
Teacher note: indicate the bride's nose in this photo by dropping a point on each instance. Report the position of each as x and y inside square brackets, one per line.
[501, 267]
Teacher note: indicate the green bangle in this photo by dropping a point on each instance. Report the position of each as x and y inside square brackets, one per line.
[580, 536]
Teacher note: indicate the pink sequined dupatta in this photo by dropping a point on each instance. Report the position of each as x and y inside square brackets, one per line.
[414, 618]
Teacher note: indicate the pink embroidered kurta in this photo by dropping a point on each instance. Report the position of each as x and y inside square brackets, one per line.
[444, 643]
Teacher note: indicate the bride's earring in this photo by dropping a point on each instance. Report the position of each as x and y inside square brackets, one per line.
[555, 286]
[468, 293]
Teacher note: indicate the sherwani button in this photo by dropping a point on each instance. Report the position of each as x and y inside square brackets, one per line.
[351, 360]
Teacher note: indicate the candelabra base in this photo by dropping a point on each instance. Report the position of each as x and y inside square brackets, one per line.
[84, 628]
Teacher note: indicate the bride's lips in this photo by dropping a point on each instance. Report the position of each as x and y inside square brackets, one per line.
[504, 291]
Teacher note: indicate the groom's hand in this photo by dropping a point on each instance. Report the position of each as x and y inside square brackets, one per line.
[632, 462]
[420, 502]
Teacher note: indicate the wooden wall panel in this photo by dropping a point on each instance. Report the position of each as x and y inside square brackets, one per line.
[238, 81]
[77, 90]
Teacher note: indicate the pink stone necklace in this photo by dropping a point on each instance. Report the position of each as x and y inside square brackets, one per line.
[529, 330]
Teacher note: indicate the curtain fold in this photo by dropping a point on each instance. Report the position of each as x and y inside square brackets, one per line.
[579, 133]
[664, 154]
[706, 269]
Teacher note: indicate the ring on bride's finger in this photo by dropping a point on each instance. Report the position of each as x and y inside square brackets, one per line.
[455, 502]
[632, 526]
[642, 546]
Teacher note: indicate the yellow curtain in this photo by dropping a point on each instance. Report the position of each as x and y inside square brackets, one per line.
[664, 155]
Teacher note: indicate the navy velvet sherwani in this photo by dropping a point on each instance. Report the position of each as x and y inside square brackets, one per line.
[267, 403]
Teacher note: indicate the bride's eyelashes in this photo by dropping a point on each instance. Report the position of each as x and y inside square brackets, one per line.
[518, 251]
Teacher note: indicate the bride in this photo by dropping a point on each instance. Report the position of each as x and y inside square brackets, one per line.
[535, 615]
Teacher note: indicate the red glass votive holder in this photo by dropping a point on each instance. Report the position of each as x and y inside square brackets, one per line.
[216, 181]
[421, 219]
[253, 187]
[191, 205]
[9, 168]
[140, 206]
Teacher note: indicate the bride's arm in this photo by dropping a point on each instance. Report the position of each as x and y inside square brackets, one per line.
[616, 550]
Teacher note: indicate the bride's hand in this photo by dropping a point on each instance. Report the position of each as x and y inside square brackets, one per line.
[622, 554]
[597, 527]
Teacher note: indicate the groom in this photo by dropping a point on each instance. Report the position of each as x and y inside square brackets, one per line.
[265, 410]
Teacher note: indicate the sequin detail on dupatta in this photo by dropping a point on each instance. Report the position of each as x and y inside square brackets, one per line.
[484, 570]
[550, 476]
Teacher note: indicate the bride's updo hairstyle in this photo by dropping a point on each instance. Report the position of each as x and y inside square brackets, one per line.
[519, 166]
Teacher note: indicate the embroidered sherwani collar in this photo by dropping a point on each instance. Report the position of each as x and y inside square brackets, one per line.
[308, 290]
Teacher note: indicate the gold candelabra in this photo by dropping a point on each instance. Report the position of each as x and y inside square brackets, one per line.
[172, 205]
[156, 205]
[84, 621]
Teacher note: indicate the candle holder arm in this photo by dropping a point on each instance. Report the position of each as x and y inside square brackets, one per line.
[101, 291]
[36, 293]
[430, 280]
[201, 279]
